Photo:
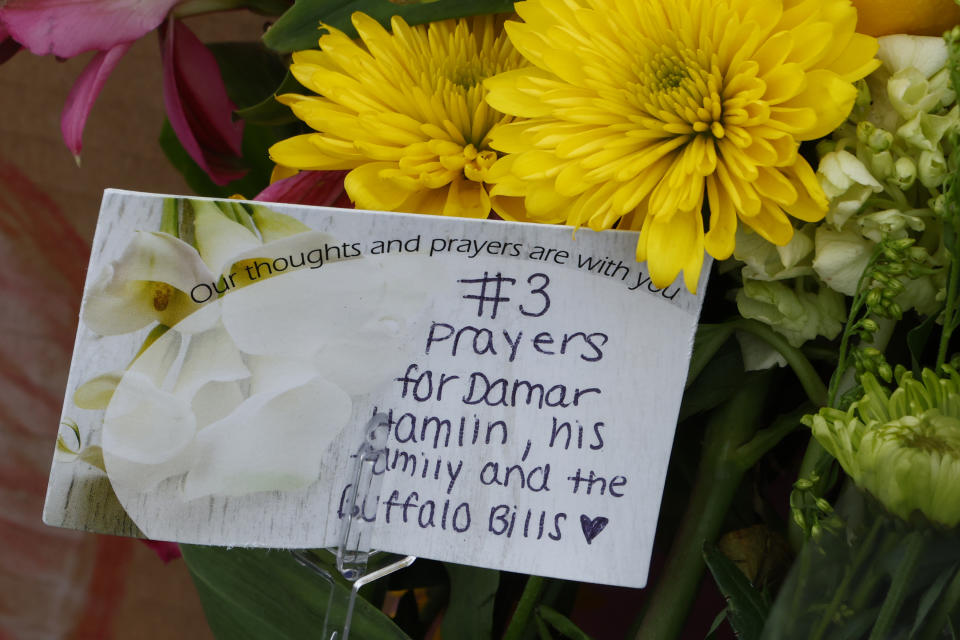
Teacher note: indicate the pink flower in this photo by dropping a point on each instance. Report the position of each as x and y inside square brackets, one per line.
[166, 551]
[200, 112]
[66, 28]
[84, 93]
[197, 105]
[321, 188]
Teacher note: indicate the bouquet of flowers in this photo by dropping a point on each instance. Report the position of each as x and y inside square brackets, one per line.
[811, 147]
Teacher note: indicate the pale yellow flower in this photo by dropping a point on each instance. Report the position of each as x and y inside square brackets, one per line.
[644, 114]
[902, 447]
[404, 111]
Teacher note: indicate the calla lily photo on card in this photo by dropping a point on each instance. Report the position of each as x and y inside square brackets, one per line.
[623, 318]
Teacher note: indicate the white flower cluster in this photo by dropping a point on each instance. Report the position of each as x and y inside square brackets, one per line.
[883, 172]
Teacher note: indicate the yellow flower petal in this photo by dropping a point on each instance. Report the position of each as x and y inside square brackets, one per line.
[369, 190]
[467, 199]
[300, 152]
[720, 239]
[771, 223]
[506, 92]
[829, 97]
[684, 233]
[811, 204]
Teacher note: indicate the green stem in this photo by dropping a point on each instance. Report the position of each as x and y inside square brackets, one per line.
[950, 312]
[717, 481]
[705, 346]
[170, 220]
[826, 354]
[528, 602]
[808, 376]
[862, 553]
[946, 605]
[875, 574]
[815, 459]
[543, 631]
[766, 439]
[899, 586]
[804, 574]
[848, 330]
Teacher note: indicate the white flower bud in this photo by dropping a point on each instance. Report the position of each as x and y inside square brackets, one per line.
[932, 168]
[904, 172]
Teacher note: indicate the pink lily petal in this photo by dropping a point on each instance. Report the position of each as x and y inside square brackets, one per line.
[166, 551]
[68, 27]
[83, 94]
[321, 188]
[8, 46]
[197, 105]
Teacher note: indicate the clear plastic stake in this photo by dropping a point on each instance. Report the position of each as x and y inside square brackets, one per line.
[353, 552]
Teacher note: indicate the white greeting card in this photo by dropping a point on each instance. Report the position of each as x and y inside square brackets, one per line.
[522, 384]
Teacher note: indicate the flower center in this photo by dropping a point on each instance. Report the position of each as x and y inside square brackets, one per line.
[930, 433]
[467, 76]
[682, 89]
[162, 292]
[668, 72]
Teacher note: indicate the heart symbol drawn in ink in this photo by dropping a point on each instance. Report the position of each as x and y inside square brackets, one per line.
[592, 527]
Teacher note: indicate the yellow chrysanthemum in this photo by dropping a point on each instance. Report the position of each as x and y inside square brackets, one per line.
[642, 112]
[405, 111]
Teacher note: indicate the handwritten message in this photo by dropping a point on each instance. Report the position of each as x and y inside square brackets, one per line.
[525, 382]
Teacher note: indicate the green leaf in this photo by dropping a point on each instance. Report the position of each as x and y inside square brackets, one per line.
[299, 27]
[720, 378]
[62, 444]
[712, 631]
[709, 339]
[265, 595]
[561, 623]
[930, 597]
[469, 615]
[746, 607]
[269, 111]
[250, 71]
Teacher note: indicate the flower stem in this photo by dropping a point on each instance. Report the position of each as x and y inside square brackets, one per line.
[808, 376]
[848, 575]
[950, 312]
[170, 220]
[717, 481]
[765, 439]
[898, 588]
[945, 606]
[874, 575]
[859, 301]
[528, 602]
[815, 460]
